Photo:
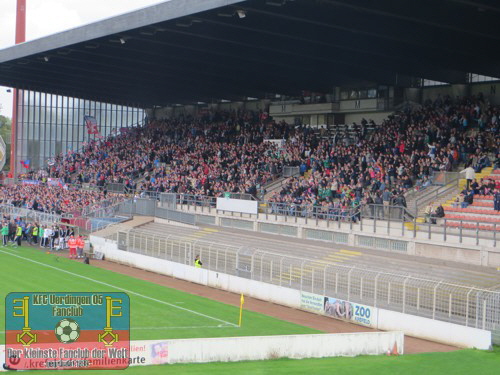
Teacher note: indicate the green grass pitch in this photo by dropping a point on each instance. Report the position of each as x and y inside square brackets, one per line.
[25, 269]
[157, 312]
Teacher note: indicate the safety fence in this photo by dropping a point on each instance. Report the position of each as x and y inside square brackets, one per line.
[289, 171]
[97, 209]
[378, 219]
[275, 208]
[428, 196]
[31, 215]
[435, 299]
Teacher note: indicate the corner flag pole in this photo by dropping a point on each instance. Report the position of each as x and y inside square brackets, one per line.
[242, 301]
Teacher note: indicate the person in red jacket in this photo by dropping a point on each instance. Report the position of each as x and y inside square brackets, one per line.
[72, 243]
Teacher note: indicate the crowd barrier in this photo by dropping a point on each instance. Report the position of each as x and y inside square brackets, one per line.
[388, 320]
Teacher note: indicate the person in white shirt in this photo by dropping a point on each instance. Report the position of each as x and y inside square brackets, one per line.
[470, 175]
[47, 235]
[432, 150]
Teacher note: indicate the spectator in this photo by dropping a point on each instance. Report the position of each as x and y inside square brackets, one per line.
[470, 175]
[496, 200]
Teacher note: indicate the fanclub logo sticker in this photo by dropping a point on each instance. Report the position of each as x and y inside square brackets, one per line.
[67, 331]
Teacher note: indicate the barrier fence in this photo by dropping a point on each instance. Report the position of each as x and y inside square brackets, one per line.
[289, 171]
[381, 219]
[459, 304]
[31, 215]
[378, 219]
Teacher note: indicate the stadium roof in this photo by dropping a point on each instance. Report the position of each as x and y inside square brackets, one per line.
[184, 51]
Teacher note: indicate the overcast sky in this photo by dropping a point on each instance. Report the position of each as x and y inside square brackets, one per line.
[45, 17]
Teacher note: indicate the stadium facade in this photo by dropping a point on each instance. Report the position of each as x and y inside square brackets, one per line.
[49, 124]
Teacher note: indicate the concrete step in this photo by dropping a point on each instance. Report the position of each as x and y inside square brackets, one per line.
[274, 186]
[462, 212]
[488, 227]
[481, 219]
[136, 221]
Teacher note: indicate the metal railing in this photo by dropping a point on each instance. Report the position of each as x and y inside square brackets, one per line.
[378, 219]
[423, 194]
[435, 299]
[462, 228]
[311, 211]
[464, 231]
[115, 187]
[28, 214]
[97, 210]
[289, 171]
[428, 196]
[289, 210]
[386, 213]
[444, 178]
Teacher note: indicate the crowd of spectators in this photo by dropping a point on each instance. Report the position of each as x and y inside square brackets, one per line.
[232, 152]
[404, 153]
[51, 199]
[223, 153]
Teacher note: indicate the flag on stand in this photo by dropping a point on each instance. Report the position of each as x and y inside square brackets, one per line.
[26, 163]
[242, 301]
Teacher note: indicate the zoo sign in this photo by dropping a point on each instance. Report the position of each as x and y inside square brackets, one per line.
[56, 331]
[361, 314]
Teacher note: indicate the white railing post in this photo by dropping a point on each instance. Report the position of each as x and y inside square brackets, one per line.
[312, 279]
[484, 314]
[252, 263]
[404, 293]
[324, 279]
[467, 308]
[349, 284]
[281, 269]
[434, 300]
[301, 274]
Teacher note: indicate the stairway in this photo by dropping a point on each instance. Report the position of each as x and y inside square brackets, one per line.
[486, 172]
[274, 186]
[449, 198]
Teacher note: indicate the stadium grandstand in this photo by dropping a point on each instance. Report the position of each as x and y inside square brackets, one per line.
[317, 145]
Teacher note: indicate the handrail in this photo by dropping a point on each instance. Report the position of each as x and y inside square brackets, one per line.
[426, 197]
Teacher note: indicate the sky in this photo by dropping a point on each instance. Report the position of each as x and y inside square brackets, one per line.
[45, 17]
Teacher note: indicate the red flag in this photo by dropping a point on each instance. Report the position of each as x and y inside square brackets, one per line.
[91, 122]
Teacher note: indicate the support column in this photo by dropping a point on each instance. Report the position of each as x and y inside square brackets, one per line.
[20, 38]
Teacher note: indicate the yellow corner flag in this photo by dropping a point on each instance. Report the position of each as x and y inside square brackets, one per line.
[242, 301]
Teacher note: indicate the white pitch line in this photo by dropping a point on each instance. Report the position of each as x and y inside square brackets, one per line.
[168, 328]
[120, 288]
[189, 327]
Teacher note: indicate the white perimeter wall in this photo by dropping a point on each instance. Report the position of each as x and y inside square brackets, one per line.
[435, 330]
[251, 348]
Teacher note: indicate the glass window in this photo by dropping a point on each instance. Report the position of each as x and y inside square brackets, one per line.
[430, 82]
[474, 78]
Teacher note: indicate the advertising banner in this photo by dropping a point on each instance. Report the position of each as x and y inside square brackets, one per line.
[360, 314]
[237, 205]
[30, 182]
[338, 308]
[312, 302]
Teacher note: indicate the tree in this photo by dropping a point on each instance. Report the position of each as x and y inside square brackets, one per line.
[5, 132]
[5, 128]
